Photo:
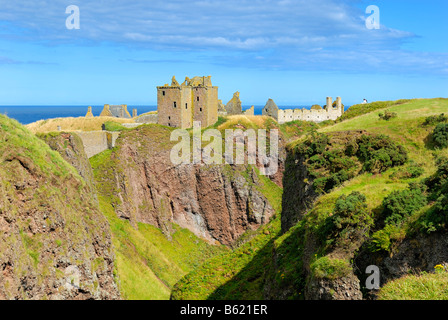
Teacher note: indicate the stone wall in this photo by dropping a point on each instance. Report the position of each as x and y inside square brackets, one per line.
[315, 114]
[97, 141]
[147, 118]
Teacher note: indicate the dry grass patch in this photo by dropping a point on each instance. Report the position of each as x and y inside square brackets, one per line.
[72, 124]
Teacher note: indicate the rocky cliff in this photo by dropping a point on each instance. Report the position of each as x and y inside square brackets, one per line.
[54, 242]
[217, 202]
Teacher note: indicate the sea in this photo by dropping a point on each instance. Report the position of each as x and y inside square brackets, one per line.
[30, 114]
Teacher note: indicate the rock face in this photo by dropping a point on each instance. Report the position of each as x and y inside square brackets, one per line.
[233, 107]
[412, 255]
[54, 242]
[216, 202]
[346, 288]
[298, 193]
[71, 148]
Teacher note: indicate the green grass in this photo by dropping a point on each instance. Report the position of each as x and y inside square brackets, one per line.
[424, 286]
[148, 263]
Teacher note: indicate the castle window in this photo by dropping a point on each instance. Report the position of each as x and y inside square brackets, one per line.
[200, 109]
[186, 106]
[169, 125]
[175, 106]
[169, 118]
[163, 92]
[198, 98]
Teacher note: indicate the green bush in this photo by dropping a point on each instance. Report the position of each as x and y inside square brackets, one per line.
[438, 183]
[382, 239]
[379, 153]
[350, 220]
[436, 218]
[431, 120]
[440, 135]
[413, 170]
[387, 115]
[316, 144]
[401, 204]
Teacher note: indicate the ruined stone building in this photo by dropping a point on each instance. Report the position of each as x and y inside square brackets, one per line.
[196, 99]
[117, 111]
[331, 111]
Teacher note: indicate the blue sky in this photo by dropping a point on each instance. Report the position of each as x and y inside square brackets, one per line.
[296, 52]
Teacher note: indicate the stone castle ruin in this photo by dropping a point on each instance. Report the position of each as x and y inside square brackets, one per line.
[331, 111]
[196, 99]
[117, 111]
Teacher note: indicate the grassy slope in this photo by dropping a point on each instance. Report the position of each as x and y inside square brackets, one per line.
[73, 124]
[406, 129]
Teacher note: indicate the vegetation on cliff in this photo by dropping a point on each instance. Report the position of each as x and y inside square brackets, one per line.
[394, 197]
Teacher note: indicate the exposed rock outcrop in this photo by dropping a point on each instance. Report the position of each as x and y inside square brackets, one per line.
[346, 288]
[216, 202]
[71, 148]
[414, 254]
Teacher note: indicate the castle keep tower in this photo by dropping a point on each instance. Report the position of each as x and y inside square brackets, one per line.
[178, 105]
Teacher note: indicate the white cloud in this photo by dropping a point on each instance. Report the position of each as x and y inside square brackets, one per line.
[286, 33]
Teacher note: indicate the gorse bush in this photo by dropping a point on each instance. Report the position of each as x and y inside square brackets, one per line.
[432, 120]
[438, 183]
[380, 153]
[351, 219]
[387, 115]
[401, 204]
[413, 170]
[330, 163]
[440, 135]
[436, 218]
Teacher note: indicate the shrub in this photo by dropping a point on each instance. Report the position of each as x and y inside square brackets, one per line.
[401, 204]
[382, 239]
[436, 218]
[379, 153]
[431, 120]
[413, 170]
[387, 115]
[438, 183]
[440, 135]
[350, 220]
